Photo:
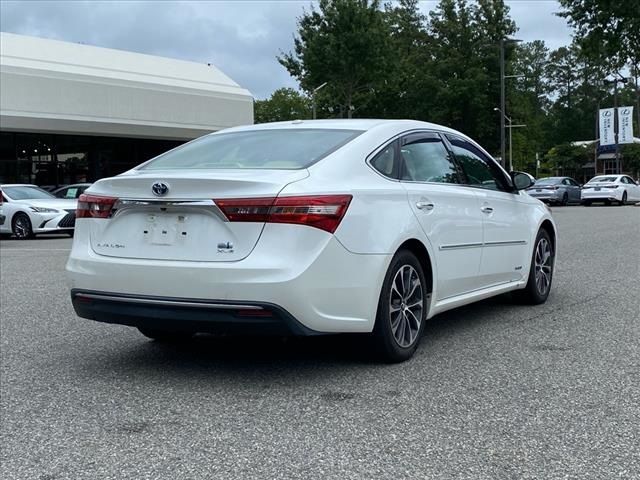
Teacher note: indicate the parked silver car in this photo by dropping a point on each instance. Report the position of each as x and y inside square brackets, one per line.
[557, 190]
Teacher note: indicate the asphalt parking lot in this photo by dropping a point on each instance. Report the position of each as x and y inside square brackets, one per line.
[496, 390]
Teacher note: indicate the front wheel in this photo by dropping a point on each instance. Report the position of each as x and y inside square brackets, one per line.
[402, 309]
[540, 273]
[565, 199]
[21, 226]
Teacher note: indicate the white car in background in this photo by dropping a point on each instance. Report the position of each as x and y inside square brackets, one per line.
[309, 227]
[610, 188]
[28, 210]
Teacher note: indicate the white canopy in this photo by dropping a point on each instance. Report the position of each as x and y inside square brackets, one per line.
[59, 87]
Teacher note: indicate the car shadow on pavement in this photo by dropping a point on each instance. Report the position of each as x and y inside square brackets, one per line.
[209, 353]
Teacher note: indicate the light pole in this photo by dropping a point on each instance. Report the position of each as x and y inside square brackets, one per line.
[313, 98]
[502, 93]
[616, 124]
[510, 127]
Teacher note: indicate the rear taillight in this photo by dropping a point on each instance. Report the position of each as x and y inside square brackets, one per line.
[93, 206]
[320, 211]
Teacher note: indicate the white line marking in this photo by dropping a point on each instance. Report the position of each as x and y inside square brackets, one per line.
[5, 249]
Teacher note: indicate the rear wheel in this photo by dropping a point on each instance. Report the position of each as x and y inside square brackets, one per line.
[540, 273]
[624, 199]
[21, 226]
[165, 336]
[402, 309]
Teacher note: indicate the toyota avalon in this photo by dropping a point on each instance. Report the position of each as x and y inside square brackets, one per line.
[307, 228]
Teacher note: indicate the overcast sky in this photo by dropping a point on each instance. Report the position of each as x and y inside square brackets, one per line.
[242, 38]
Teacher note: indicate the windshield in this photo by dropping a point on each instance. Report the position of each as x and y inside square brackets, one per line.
[548, 181]
[26, 193]
[255, 149]
[602, 179]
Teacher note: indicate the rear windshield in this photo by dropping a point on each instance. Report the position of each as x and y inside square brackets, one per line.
[26, 193]
[287, 149]
[602, 179]
[548, 181]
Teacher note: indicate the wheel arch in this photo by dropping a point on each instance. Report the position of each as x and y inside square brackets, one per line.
[418, 248]
[548, 226]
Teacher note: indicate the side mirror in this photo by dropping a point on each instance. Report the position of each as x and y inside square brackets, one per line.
[521, 180]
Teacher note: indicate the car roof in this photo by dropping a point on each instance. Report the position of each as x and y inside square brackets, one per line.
[342, 124]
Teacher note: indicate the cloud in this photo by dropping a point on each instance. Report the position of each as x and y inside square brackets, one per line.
[242, 38]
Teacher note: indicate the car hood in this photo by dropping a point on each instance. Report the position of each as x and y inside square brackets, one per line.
[58, 203]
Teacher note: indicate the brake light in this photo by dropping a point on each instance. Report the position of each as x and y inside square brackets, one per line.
[93, 206]
[320, 211]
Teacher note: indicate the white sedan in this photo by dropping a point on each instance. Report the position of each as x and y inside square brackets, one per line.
[27, 210]
[309, 227]
[610, 188]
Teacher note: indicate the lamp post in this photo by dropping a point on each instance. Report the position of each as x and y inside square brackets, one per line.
[313, 98]
[511, 126]
[502, 93]
[616, 124]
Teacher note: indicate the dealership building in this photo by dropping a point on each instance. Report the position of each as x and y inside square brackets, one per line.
[76, 113]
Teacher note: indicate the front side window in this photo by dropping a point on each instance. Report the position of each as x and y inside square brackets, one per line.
[479, 170]
[426, 159]
[282, 148]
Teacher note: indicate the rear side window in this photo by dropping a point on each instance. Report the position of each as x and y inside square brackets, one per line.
[426, 159]
[479, 170]
[385, 161]
[256, 149]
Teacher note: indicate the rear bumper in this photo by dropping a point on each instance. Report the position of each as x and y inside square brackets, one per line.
[306, 273]
[601, 196]
[187, 314]
[546, 196]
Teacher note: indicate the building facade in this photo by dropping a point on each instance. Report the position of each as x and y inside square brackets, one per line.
[74, 113]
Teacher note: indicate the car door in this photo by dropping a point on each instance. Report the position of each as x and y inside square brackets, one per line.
[633, 190]
[506, 229]
[573, 188]
[448, 212]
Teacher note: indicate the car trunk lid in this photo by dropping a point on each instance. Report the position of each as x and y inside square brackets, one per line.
[184, 223]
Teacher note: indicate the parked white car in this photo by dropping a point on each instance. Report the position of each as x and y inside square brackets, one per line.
[309, 227]
[610, 188]
[28, 210]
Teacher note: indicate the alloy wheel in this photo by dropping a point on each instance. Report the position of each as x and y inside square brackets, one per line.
[543, 266]
[406, 305]
[21, 226]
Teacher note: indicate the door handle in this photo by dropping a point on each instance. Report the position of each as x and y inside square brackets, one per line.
[486, 209]
[425, 205]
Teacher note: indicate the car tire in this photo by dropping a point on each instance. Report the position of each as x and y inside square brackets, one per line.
[540, 272]
[565, 199]
[402, 309]
[624, 199]
[21, 226]
[165, 336]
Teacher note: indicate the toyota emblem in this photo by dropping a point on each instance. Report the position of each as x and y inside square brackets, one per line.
[160, 189]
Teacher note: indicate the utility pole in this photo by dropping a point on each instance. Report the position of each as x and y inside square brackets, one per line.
[313, 98]
[502, 104]
[503, 107]
[510, 127]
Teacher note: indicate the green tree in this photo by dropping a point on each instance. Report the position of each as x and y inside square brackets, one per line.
[344, 43]
[609, 32]
[284, 104]
[631, 159]
[568, 159]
